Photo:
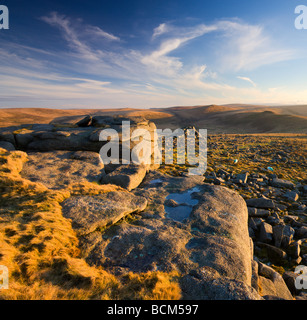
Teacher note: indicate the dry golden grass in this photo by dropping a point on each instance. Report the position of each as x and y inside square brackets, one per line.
[40, 248]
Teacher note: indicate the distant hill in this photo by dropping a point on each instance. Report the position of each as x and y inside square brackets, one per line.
[233, 118]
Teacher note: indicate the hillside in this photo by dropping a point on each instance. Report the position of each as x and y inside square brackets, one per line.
[217, 119]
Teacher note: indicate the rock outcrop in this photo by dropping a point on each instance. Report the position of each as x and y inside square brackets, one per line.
[210, 248]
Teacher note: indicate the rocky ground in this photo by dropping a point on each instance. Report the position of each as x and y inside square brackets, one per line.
[270, 173]
[238, 232]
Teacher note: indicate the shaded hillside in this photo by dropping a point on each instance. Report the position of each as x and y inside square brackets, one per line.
[223, 119]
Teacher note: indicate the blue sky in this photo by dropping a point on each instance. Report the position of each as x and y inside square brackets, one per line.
[100, 54]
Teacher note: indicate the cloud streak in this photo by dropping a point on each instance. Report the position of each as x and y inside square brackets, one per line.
[247, 79]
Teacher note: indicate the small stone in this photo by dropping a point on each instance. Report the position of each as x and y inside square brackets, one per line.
[7, 146]
[263, 203]
[302, 232]
[171, 203]
[266, 233]
[301, 296]
[289, 278]
[275, 255]
[283, 235]
[291, 196]
[241, 177]
[85, 122]
[280, 183]
[254, 212]
[294, 250]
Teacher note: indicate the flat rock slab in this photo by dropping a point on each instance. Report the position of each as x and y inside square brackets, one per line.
[213, 236]
[281, 183]
[58, 169]
[263, 203]
[126, 176]
[89, 213]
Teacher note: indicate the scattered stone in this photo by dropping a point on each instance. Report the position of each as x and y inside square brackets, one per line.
[7, 146]
[254, 212]
[265, 233]
[301, 296]
[291, 195]
[282, 290]
[301, 232]
[275, 255]
[262, 202]
[283, 235]
[294, 250]
[289, 278]
[241, 178]
[280, 183]
[171, 203]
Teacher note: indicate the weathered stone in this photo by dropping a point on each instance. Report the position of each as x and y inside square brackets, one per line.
[101, 121]
[88, 213]
[214, 236]
[280, 183]
[294, 250]
[23, 139]
[254, 212]
[265, 233]
[301, 232]
[86, 121]
[275, 255]
[263, 203]
[281, 288]
[255, 278]
[242, 177]
[291, 195]
[289, 278]
[283, 235]
[171, 203]
[42, 127]
[207, 285]
[303, 246]
[7, 146]
[70, 139]
[126, 176]
[58, 169]
[6, 134]
[266, 286]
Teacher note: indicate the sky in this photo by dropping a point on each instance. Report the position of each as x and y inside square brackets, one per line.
[152, 53]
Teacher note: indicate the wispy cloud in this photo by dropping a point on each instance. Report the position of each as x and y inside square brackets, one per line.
[154, 75]
[247, 79]
[161, 29]
[247, 47]
[96, 31]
